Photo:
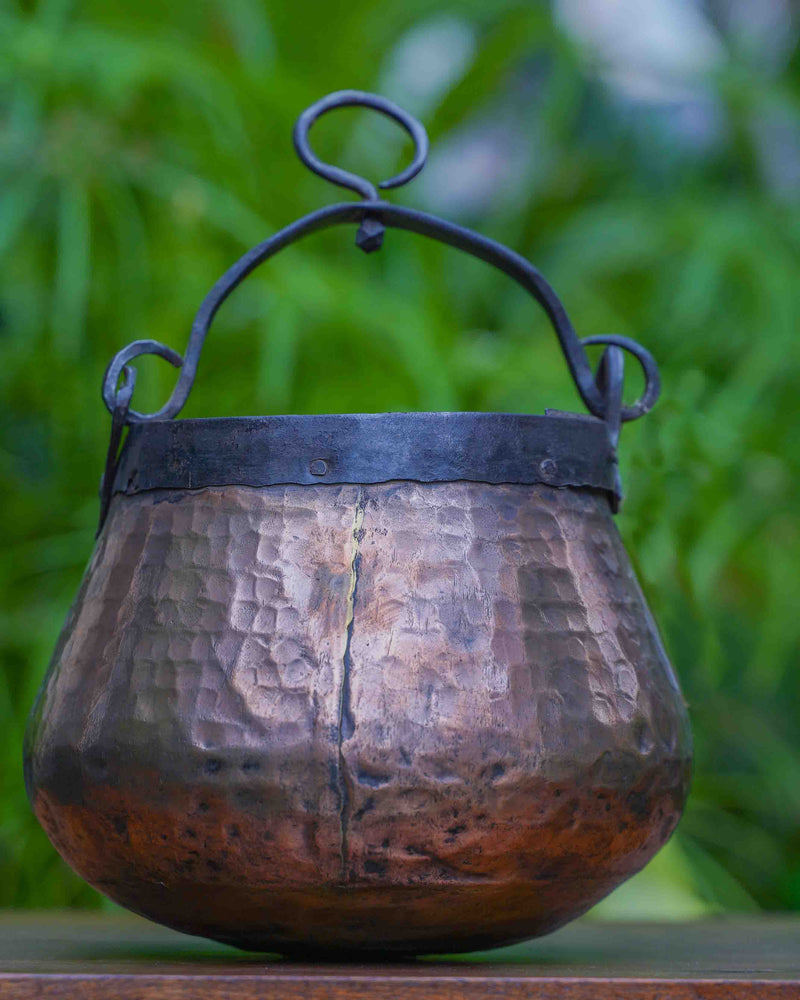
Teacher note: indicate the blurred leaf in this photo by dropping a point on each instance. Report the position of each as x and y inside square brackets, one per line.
[72, 270]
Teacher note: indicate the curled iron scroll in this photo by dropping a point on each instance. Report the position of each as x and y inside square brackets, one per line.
[592, 388]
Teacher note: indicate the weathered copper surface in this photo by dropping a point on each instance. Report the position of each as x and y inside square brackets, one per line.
[410, 717]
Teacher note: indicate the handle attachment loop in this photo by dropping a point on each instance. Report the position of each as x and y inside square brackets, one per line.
[119, 417]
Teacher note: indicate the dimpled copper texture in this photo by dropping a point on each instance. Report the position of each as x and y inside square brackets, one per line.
[400, 717]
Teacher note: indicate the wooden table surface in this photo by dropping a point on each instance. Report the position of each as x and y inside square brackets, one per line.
[46, 955]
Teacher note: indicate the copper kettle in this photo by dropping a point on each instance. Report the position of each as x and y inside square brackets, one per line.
[365, 682]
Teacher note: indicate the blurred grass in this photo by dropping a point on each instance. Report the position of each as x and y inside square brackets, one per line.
[145, 147]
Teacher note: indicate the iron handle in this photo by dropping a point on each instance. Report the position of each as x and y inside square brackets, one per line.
[373, 215]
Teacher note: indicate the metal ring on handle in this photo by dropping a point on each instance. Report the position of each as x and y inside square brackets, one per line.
[358, 98]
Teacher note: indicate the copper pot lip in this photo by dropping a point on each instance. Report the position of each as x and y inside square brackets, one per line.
[559, 449]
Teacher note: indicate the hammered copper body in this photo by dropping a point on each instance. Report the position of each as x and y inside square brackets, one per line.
[402, 716]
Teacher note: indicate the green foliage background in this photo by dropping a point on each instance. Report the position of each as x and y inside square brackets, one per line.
[146, 146]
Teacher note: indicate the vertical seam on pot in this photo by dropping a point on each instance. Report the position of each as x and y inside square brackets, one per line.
[346, 725]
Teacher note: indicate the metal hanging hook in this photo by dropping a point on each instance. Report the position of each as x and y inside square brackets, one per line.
[350, 99]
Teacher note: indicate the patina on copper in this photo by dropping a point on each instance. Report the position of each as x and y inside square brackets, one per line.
[380, 683]
[415, 716]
